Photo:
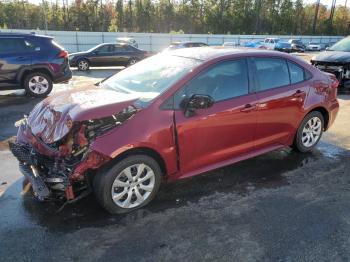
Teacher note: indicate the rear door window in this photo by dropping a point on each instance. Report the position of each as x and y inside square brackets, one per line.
[271, 73]
[12, 45]
[121, 48]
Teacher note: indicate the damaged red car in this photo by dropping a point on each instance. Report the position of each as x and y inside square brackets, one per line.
[170, 117]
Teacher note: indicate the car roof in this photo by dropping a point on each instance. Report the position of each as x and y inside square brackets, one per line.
[117, 43]
[23, 35]
[208, 53]
[125, 38]
[186, 42]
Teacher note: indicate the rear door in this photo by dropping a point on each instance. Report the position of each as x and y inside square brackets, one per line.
[15, 53]
[281, 91]
[122, 54]
[224, 131]
[102, 56]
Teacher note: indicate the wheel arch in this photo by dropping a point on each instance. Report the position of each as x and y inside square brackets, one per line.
[83, 58]
[324, 113]
[23, 74]
[142, 151]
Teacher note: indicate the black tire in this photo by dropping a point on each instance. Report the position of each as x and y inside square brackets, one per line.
[83, 64]
[298, 143]
[31, 79]
[103, 181]
[132, 61]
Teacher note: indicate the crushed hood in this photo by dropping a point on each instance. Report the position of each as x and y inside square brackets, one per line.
[333, 56]
[53, 117]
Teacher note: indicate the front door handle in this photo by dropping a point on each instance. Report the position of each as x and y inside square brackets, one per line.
[248, 108]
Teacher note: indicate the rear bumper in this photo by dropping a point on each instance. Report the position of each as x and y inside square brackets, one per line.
[333, 112]
[67, 74]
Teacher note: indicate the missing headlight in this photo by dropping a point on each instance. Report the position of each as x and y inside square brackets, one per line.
[97, 127]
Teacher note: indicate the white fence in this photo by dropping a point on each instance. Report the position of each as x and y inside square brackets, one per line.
[80, 41]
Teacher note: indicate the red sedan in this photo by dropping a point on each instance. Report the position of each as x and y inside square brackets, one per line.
[171, 116]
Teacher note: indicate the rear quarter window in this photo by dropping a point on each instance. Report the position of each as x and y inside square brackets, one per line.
[55, 44]
[296, 72]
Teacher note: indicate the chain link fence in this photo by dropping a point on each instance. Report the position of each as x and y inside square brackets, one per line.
[154, 42]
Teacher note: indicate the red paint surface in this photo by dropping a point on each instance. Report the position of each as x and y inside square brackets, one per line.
[213, 137]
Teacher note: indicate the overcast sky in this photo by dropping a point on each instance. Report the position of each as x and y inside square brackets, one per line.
[325, 2]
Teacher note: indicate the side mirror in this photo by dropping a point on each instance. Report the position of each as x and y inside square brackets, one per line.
[95, 52]
[196, 102]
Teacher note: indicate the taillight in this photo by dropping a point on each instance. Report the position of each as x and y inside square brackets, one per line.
[63, 54]
[334, 81]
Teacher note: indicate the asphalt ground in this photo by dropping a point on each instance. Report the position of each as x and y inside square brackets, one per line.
[281, 206]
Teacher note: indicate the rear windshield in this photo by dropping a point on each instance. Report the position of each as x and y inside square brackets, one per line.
[57, 45]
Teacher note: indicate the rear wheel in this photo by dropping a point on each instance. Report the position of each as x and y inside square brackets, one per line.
[309, 132]
[38, 84]
[130, 184]
[132, 61]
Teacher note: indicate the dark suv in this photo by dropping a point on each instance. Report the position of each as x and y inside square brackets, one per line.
[32, 62]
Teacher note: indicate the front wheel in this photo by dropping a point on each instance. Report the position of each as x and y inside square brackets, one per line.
[130, 184]
[309, 132]
[83, 65]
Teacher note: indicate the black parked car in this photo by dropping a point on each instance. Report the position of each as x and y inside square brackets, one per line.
[107, 55]
[297, 45]
[336, 60]
[32, 62]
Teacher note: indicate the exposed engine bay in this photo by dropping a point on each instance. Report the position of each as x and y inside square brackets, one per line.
[55, 155]
[340, 70]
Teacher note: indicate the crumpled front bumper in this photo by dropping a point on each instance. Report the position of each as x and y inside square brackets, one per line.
[27, 165]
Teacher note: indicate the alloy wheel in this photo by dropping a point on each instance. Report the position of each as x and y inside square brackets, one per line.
[83, 65]
[311, 132]
[133, 186]
[132, 62]
[38, 85]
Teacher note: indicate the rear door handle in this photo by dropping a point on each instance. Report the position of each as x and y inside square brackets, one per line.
[248, 108]
[298, 93]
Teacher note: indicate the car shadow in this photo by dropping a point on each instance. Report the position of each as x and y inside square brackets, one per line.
[265, 171]
[97, 72]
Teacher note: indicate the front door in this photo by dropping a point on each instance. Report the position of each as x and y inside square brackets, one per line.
[215, 135]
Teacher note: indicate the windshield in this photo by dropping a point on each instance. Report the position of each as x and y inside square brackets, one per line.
[342, 45]
[151, 77]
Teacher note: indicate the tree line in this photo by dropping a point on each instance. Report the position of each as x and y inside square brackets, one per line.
[176, 16]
